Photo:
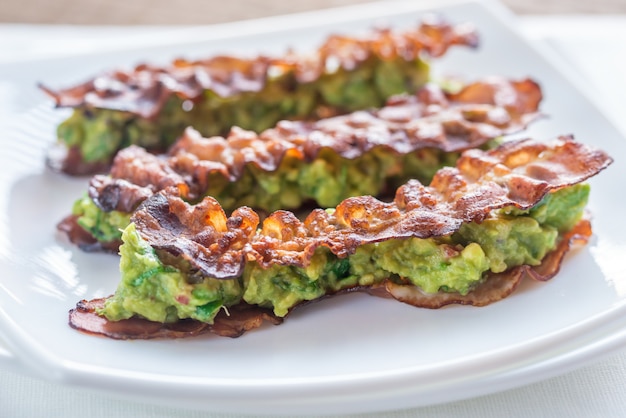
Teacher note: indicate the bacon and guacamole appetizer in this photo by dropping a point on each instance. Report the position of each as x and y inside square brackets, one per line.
[469, 238]
[300, 163]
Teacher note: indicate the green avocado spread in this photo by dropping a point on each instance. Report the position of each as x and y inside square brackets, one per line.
[456, 263]
[103, 226]
[327, 180]
[162, 293]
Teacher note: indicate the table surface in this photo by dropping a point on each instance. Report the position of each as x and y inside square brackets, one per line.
[139, 12]
[596, 46]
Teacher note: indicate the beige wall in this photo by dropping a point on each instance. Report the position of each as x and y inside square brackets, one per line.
[212, 11]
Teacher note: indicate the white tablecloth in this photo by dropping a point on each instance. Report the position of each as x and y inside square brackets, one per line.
[596, 46]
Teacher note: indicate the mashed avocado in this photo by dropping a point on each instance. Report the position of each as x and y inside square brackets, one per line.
[423, 262]
[162, 293]
[327, 180]
[281, 287]
[510, 242]
[456, 263]
[104, 226]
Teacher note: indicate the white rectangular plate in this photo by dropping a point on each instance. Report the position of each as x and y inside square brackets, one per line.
[352, 353]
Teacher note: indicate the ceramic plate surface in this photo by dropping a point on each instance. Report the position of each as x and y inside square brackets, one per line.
[348, 354]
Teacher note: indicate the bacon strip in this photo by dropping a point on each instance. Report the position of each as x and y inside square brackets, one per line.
[243, 317]
[518, 174]
[432, 119]
[145, 89]
[232, 323]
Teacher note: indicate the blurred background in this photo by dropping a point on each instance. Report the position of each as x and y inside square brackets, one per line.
[197, 12]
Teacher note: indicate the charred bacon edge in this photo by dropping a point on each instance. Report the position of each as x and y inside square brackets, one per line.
[228, 323]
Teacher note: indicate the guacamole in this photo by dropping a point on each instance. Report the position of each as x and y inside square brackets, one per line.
[103, 226]
[162, 293]
[455, 263]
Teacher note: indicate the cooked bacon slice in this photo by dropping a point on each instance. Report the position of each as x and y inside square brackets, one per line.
[243, 317]
[431, 119]
[494, 288]
[146, 88]
[232, 323]
[516, 174]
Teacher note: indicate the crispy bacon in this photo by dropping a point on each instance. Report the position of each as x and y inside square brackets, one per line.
[516, 174]
[144, 90]
[431, 119]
